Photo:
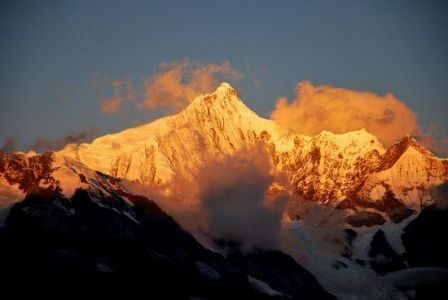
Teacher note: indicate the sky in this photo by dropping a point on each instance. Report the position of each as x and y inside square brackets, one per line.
[59, 59]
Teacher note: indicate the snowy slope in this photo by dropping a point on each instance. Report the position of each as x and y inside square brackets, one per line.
[351, 170]
[374, 187]
[213, 124]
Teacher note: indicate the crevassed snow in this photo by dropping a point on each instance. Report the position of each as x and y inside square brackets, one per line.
[319, 255]
[392, 232]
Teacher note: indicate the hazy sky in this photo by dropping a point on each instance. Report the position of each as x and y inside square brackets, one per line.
[58, 58]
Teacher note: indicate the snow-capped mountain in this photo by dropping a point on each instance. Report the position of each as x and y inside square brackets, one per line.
[213, 124]
[379, 192]
[101, 239]
[351, 171]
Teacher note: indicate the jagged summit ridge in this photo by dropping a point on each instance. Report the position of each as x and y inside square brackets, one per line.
[226, 86]
[328, 168]
[323, 167]
[215, 123]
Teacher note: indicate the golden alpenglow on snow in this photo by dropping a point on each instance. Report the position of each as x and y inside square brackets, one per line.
[211, 150]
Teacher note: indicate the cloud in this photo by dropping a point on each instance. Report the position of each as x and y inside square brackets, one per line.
[122, 91]
[233, 193]
[439, 195]
[225, 198]
[130, 94]
[9, 145]
[112, 105]
[44, 144]
[172, 87]
[318, 240]
[340, 110]
[176, 84]
[434, 139]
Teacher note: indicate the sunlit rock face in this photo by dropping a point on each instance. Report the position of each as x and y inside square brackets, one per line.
[351, 171]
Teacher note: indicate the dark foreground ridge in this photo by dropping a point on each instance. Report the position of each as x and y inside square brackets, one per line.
[104, 244]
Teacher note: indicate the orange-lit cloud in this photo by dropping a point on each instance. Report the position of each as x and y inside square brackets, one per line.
[233, 193]
[340, 110]
[176, 84]
[226, 197]
[130, 95]
[122, 91]
[111, 105]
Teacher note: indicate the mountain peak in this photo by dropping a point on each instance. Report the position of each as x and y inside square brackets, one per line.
[407, 142]
[225, 89]
[360, 133]
[360, 138]
[223, 99]
[225, 86]
[397, 150]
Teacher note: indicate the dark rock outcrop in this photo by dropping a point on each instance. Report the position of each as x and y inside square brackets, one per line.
[425, 239]
[365, 218]
[383, 258]
[97, 242]
[282, 273]
[27, 171]
[389, 204]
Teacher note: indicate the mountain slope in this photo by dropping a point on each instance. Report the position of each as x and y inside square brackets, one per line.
[104, 240]
[213, 124]
[402, 183]
[89, 186]
[353, 171]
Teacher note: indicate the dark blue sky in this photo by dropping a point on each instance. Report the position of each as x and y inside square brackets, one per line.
[55, 54]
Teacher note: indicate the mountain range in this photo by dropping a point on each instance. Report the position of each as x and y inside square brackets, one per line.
[380, 191]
